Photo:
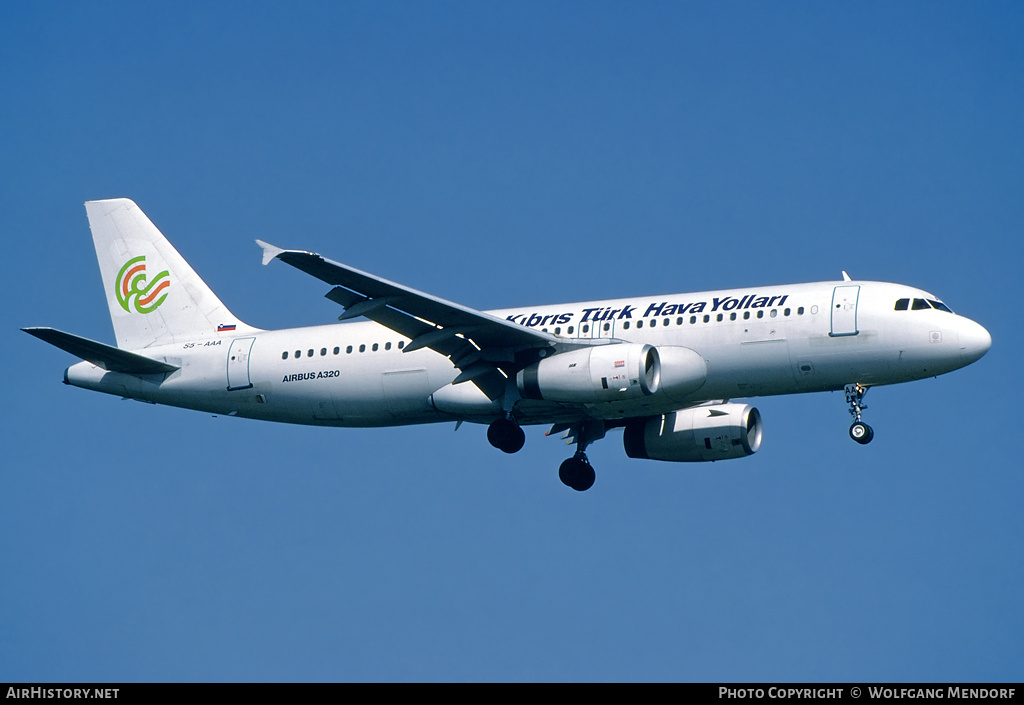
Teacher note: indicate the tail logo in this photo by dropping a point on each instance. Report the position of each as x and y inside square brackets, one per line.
[136, 291]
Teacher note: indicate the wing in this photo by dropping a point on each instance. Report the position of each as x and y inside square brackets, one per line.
[484, 347]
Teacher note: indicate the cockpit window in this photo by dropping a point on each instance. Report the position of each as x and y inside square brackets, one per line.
[921, 305]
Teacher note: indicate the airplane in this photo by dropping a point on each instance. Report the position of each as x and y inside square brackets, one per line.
[665, 369]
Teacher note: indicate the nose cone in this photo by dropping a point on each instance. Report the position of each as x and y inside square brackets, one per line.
[974, 341]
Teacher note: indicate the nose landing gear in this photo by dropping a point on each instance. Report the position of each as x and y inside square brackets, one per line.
[859, 431]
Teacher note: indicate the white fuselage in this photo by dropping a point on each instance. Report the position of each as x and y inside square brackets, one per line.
[755, 342]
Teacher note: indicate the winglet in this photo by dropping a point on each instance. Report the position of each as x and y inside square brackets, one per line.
[846, 277]
[269, 251]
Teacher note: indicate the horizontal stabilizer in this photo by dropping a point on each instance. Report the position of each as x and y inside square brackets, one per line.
[100, 354]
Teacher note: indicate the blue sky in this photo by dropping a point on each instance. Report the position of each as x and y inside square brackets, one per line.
[506, 154]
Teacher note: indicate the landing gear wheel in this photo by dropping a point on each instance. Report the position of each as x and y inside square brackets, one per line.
[506, 436]
[861, 433]
[577, 473]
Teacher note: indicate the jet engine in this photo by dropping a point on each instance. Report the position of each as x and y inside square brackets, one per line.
[614, 372]
[598, 373]
[702, 433]
[683, 371]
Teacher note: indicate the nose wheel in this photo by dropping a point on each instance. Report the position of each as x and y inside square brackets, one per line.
[859, 431]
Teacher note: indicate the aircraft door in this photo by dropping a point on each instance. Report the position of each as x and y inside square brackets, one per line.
[603, 329]
[238, 363]
[844, 310]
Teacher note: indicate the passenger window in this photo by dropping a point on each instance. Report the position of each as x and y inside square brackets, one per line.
[679, 321]
[362, 348]
[732, 316]
[387, 346]
[323, 351]
[337, 350]
[760, 314]
[569, 330]
[348, 350]
[284, 355]
[706, 318]
[607, 326]
[401, 344]
[746, 315]
[919, 305]
[298, 354]
[586, 329]
[693, 319]
[800, 311]
[625, 325]
[310, 352]
[902, 304]
[719, 317]
[785, 312]
[639, 324]
[375, 347]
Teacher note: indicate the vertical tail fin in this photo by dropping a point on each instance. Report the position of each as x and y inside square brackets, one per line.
[154, 296]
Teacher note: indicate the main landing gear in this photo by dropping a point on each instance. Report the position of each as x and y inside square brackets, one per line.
[859, 431]
[577, 472]
[506, 435]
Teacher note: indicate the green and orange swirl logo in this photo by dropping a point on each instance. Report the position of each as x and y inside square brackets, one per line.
[136, 291]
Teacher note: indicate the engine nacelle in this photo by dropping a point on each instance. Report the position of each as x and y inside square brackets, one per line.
[699, 434]
[598, 373]
[683, 372]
